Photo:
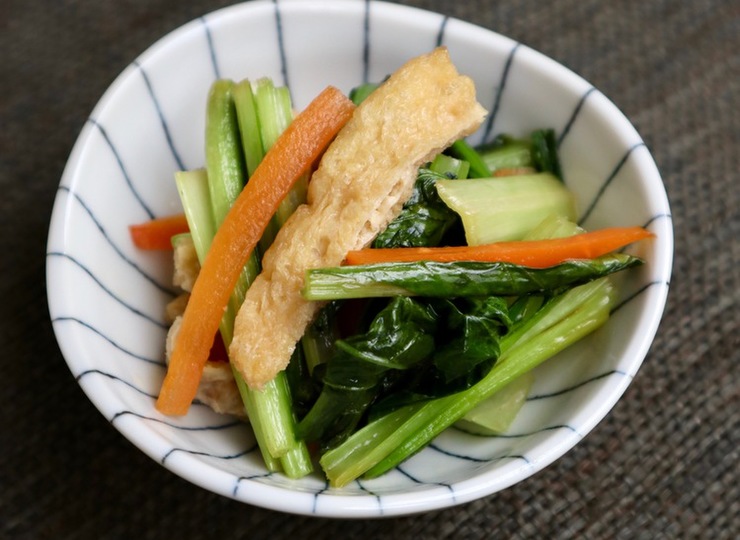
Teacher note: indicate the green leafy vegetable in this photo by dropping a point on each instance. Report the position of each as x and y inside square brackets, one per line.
[506, 208]
[426, 278]
[545, 152]
[439, 340]
[424, 219]
[466, 339]
[461, 149]
[506, 152]
[398, 337]
[539, 152]
[414, 350]
[360, 93]
[387, 441]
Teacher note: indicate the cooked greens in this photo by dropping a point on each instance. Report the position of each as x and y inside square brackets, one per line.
[414, 350]
[424, 219]
[456, 279]
[403, 350]
[387, 441]
[538, 152]
[508, 207]
[449, 335]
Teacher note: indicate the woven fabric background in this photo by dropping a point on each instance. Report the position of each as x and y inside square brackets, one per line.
[662, 464]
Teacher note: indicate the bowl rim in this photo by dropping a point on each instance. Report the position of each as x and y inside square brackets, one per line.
[338, 505]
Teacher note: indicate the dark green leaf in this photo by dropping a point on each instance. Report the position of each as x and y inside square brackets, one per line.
[467, 347]
[473, 327]
[424, 219]
[414, 349]
[399, 336]
[545, 152]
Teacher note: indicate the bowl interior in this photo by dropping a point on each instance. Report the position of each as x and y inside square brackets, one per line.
[106, 298]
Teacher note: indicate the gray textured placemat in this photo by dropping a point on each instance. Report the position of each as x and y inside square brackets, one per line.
[663, 464]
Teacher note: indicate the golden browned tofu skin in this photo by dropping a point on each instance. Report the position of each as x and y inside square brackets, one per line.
[363, 180]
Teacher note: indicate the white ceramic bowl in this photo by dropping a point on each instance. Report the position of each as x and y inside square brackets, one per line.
[106, 298]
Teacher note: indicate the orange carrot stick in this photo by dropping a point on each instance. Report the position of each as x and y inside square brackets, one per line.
[157, 233]
[532, 253]
[291, 156]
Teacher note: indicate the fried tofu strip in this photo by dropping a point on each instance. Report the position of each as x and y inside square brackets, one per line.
[364, 178]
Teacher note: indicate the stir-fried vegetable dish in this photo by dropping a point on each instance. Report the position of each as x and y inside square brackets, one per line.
[358, 278]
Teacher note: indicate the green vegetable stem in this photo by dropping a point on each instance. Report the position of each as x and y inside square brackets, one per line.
[387, 441]
[232, 150]
[454, 279]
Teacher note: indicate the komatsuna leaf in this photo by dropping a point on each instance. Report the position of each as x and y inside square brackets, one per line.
[399, 336]
[473, 326]
[424, 219]
[466, 348]
[414, 349]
